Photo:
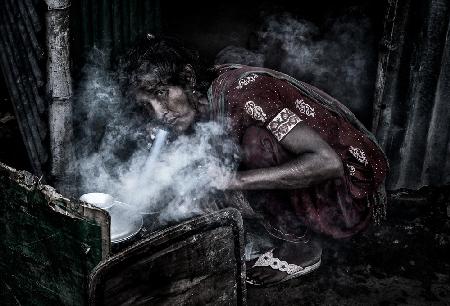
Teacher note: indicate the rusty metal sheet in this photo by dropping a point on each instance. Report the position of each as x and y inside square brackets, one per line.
[198, 262]
[48, 244]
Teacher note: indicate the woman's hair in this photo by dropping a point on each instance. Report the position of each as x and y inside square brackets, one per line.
[163, 57]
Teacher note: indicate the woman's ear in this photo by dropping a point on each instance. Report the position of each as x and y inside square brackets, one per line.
[189, 75]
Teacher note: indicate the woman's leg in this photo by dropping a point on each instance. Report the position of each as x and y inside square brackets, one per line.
[262, 150]
[327, 207]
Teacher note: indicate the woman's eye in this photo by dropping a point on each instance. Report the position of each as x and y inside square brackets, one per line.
[160, 92]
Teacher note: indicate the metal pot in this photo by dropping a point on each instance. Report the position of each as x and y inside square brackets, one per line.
[125, 222]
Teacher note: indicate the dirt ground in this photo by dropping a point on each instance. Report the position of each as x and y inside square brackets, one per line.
[406, 261]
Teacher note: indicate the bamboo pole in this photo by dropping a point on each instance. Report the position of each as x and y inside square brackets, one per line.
[388, 66]
[59, 87]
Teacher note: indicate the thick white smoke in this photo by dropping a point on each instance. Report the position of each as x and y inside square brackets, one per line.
[187, 171]
[114, 148]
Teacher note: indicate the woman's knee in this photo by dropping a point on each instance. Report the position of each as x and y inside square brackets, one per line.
[261, 149]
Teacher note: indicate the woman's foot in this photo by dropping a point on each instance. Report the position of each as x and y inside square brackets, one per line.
[289, 261]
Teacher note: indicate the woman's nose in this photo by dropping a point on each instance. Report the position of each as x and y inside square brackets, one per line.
[160, 112]
[165, 117]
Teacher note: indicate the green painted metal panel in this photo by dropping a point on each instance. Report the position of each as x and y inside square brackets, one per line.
[48, 244]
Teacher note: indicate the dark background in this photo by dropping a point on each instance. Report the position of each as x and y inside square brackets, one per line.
[208, 27]
[213, 25]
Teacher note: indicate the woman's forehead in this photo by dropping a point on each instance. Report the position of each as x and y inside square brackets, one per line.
[150, 80]
[150, 75]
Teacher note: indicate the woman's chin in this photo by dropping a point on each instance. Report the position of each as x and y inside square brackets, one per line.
[180, 127]
[184, 124]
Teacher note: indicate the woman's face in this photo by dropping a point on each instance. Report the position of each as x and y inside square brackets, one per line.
[170, 104]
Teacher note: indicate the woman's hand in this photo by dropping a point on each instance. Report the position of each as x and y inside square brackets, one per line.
[220, 178]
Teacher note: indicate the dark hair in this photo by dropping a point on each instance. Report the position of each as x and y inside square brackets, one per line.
[166, 58]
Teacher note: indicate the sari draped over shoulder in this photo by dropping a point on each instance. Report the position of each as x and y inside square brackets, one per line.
[250, 97]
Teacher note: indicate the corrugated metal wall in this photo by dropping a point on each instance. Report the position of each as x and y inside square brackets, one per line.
[112, 24]
[412, 117]
[23, 62]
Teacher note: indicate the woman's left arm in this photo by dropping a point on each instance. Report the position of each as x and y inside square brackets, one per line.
[316, 162]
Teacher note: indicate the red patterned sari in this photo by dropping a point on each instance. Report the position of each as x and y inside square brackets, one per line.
[263, 106]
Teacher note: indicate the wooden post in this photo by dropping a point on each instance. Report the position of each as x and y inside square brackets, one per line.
[59, 87]
[391, 48]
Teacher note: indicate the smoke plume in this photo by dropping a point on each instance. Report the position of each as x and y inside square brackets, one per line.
[114, 145]
[336, 57]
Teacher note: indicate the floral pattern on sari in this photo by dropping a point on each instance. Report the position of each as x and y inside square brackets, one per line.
[255, 111]
[244, 81]
[283, 123]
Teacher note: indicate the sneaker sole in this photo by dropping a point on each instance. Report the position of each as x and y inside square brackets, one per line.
[305, 271]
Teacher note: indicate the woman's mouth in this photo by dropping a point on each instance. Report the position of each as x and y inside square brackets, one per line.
[172, 120]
